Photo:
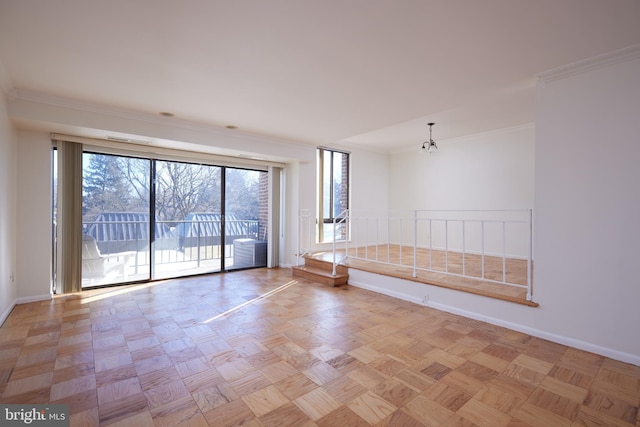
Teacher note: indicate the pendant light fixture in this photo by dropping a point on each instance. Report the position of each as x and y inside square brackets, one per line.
[430, 145]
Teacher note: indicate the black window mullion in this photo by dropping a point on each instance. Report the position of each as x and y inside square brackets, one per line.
[152, 217]
[332, 214]
[329, 176]
[223, 232]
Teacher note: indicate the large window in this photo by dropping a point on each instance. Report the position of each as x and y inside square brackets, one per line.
[116, 236]
[144, 219]
[188, 219]
[246, 217]
[333, 193]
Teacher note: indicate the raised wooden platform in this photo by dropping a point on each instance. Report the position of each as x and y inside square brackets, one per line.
[319, 265]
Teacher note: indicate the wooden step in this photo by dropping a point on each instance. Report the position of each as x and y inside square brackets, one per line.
[321, 275]
[320, 264]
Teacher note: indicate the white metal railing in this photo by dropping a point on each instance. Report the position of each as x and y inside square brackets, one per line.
[460, 239]
[340, 233]
[305, 235]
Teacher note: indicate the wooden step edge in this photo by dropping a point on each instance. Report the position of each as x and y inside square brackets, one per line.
[320, 275]
[325, 265]
[466, 289]
[318, 271]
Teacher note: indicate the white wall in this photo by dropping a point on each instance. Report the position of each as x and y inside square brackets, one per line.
[489, 171]
[300, 177]
[369, 180]
[588, 205]
[33, 224]
[493, 170]
[8, 141]
[587, 213]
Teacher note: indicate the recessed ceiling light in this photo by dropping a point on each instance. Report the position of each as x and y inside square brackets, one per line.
[166, 114]
[231, 127]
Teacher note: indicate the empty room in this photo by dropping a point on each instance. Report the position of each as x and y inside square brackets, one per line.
[360, 213]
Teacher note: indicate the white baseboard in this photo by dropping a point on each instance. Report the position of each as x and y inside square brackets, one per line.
[23, 300]
[35, 298]
[385, 291]
[560, 339]
[571, 342]
[7, 312]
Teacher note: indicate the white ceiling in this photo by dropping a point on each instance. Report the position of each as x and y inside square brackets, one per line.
[366, 72]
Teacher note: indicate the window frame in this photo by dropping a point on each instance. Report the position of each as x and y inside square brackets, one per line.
[273, 170]
[345, 178]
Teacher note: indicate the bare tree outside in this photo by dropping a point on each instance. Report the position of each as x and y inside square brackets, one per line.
[113, 184]
[242, 188]
[183, 188]
[122, 184]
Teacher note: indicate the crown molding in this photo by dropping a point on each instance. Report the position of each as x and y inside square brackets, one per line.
[610, 58]
[74, 104]
[153, 119]
[490, 133]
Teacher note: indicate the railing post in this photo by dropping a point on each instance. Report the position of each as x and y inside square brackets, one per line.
[463, 248]
[401, 239]
[347, 225]
[299, 237]
[356, 242]
[333, 245]
[137, 247]
[415, 244]
[529, 258]
[504, 251]
[344, 215]
[388, 239]
[377, 236]
[482, 248]
[430, 244]
[309, 231]
[446, 245]
[198, 242]
[366, 237]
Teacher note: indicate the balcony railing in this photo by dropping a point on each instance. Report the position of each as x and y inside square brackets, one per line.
[188, 245]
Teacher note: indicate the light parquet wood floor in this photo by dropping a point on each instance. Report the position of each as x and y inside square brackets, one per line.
[259, 348]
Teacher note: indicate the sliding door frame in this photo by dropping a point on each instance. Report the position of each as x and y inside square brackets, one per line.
[142, 152]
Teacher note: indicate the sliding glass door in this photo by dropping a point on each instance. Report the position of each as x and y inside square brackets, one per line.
[188, 219]
[115, 219]
[246, 215]
[146, 219]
